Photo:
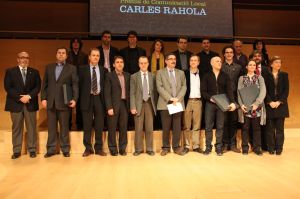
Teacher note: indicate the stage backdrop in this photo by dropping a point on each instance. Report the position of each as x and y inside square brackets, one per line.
[162, 17]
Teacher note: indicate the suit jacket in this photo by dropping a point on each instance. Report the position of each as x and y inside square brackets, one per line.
[14, 87]
[112, 53]
[279, 93]
[85, 84]
[52, 90]
[113, 91]
[178, 62]
[164, 87]
[188, 86]
[136, 91]
[134, 67]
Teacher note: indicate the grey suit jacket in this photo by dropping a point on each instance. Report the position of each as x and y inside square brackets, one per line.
[164, 87]
[52, 89]
[136, 91]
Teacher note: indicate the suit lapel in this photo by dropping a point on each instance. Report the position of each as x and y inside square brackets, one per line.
[139, 81]
[167, 76]
[19, 75]
[117, 79]
[62, 72]
[150, 82]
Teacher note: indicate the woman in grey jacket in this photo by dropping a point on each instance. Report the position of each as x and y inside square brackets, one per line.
[256, 115]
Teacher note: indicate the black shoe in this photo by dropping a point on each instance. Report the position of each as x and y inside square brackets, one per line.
[15, 155]
[219, 153]
[66, 154]
[100, 152]
[87, 152]
[198, 150]
[123, 153]
[114, 153]
[245, 152]
[137, 153]
[151, 153]
[32, 154]
[225, 148]
[258, 152]
[278, 152]
[271, 152]
[48, 155]
[180, 151]
[207, 152]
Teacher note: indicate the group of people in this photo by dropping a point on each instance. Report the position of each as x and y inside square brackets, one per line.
[111, 88]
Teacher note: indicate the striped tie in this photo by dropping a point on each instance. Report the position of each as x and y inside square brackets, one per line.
[94, 81]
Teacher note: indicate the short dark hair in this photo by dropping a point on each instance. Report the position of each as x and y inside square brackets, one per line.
[118, 57]
[105, 32]
[94, 49]
[60, 48]
[132, 32]
[205, 38]
[226, 47]
[253, 53]
[182, 37]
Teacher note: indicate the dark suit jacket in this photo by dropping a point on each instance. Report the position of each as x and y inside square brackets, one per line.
[279, 93]
[178, 62]
[112, 53]
[188, 86]
[113, 92]
[52, 90]
[85, 80]
[134, 66]
[14, 86]
[81, 60]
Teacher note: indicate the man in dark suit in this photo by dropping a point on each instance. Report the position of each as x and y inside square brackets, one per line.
[171, 86]
[182, 54]
[56, 76]
[116, 90]
[107, 52]
[143, 106]
[22, 84]
[131, 53]
[77, 58]
[91, 86]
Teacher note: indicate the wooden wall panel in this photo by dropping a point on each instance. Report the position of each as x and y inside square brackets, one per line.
[43, 52]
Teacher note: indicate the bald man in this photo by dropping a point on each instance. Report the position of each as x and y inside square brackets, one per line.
[215, 82]
[22, 85]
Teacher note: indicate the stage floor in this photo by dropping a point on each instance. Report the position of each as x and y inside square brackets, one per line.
[191, 176]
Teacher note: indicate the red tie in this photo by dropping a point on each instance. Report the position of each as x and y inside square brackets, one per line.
[257, 71]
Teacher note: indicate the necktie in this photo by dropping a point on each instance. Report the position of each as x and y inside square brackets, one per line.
[94, 81]
[172, 77]
[145, 88]
[24, 74]
[257, 71]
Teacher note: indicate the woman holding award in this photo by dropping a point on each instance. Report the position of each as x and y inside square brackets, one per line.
[254, 114]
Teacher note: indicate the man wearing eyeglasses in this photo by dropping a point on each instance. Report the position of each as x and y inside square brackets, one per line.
[22, 84]
[171, 86]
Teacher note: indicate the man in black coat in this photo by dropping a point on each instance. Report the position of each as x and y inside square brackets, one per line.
[182, 54]
[107, 51]
[57, 76]
[22, 85]
[91, 84]
[117, 93]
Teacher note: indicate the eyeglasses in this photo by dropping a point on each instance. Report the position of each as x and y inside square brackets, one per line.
[23, 57]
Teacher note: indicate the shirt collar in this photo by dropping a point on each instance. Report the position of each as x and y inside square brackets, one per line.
[23, 68]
